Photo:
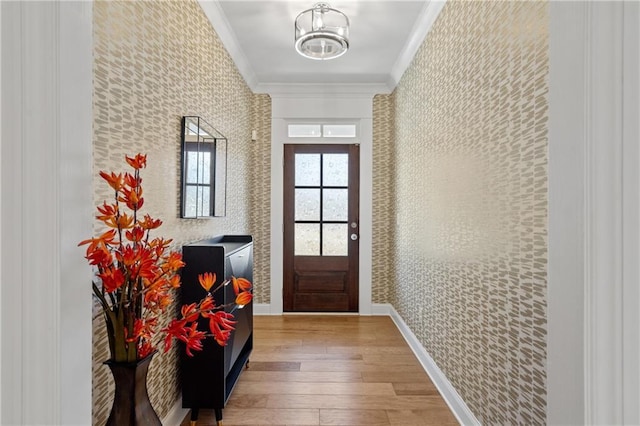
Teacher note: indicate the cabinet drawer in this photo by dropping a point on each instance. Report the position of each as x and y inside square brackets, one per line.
[239, 263]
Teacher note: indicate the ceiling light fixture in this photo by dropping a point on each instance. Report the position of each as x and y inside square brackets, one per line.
[322, 32]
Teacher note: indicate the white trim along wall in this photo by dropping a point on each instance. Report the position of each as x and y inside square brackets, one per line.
[566, 245]
[631, 212]
[593, 373]
[311, 108]
[46, 204]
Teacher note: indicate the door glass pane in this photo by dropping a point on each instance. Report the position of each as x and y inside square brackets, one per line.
[307, 239]
[335, 170]
[307, 204]
[335, 239]
[307, 169]
[335, 204]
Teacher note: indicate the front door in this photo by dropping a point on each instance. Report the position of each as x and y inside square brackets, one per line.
[321, 228]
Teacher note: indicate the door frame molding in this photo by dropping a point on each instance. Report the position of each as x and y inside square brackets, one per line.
[612, 232]
[46, 153]
[594, 223]
[286, 109]
[352, 149]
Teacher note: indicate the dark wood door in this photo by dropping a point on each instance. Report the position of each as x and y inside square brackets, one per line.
[321, 228]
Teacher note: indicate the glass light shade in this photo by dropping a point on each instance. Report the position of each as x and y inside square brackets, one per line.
[322, 32]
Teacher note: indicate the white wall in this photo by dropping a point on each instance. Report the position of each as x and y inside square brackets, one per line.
[46, 209]
[327, 107]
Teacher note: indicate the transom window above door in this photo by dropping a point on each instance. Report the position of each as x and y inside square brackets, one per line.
[322, 130]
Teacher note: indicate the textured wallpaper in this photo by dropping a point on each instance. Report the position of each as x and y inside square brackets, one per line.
[470, 193]
[383, 207]
[260, 198]
[153, 63]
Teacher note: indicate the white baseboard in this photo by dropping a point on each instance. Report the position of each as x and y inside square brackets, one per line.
[455, 402]
[176, 415]
[381, 309]
[262, 309]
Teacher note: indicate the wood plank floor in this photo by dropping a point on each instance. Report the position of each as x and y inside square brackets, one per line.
[331, 370]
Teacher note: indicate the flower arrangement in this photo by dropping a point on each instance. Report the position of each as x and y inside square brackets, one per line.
[136, 275]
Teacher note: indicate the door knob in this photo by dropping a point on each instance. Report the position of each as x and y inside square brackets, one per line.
[354, 237]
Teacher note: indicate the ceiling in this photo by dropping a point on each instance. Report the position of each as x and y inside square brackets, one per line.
[384, 36]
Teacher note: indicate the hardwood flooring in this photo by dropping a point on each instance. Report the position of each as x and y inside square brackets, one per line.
[331, 370]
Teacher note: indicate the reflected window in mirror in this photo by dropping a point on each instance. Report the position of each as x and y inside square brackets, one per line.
[204, 165]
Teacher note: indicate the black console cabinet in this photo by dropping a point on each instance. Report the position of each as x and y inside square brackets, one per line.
[210, 375]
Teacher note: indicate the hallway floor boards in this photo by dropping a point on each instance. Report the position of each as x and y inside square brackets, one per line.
[331, 370]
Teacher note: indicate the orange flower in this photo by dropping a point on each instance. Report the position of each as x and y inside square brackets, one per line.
[190, 312]
[207, 305]
[193, 339]
[142, 329]
[207, 280]
[144, 348]
[128, 256]
[174, 262]
[244, 298]
[108, 212]
[108, 238]
[112, 279]
[124, 221]
[176, 329]
[136, 234]
[115, 181]
[149, 223]
[221, 324]
[132, 181]
[174, 282]
[137, 162]
[132, 198]
[147, 265]
[159, 245]
[165, 301]
[99, 256]
[240, 284]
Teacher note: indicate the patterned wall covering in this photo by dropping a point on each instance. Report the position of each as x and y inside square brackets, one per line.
[383, 209]
[153, 63]
[471, 196]
[260, 215]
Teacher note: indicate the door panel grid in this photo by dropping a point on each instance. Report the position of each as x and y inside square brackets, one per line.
[321, 188]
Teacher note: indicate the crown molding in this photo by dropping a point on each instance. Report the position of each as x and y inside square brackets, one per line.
[420, 30]
[221, 26]
[305, 89]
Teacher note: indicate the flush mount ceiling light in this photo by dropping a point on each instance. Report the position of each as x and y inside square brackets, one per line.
[322, 32]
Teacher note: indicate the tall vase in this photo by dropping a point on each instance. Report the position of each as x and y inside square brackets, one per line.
[131, 405]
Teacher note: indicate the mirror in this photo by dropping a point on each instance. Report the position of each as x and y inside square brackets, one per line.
[204, 170]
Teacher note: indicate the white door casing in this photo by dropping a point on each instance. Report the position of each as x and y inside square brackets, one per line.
[298, 108]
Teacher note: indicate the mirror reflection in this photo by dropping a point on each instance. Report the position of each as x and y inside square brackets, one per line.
[204, 169]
